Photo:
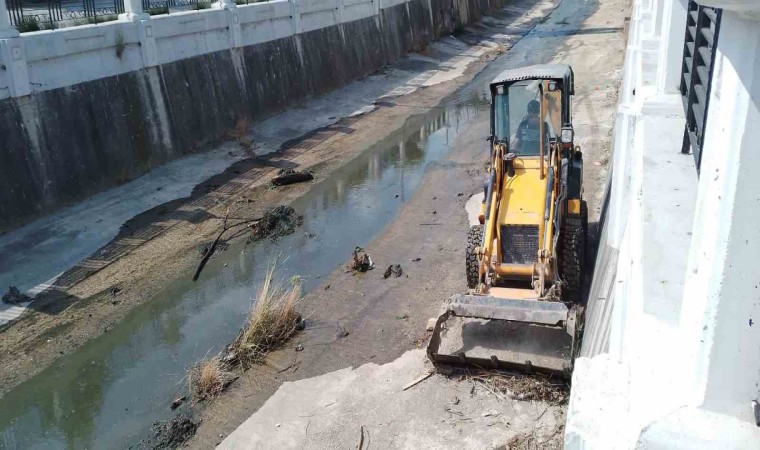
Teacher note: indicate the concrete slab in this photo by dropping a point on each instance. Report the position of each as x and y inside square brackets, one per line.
[329, 411]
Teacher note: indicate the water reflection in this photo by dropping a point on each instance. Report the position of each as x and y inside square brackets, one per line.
[107, 393]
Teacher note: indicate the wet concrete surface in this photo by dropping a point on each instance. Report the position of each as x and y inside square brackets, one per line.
[100, 397]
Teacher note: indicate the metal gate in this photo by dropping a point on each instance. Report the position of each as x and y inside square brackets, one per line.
[702, 28]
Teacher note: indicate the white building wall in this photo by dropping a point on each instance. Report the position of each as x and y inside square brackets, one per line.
[669, 359]
[723, 288]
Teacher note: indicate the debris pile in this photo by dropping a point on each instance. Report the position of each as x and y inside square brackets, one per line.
[522, 387]
[277, 222]
[14, 296]
[290, 176]
[537, 440]
[173, 433]
[362, 262]
[393, 269]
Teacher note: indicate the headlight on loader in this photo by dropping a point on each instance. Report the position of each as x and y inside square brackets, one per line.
[567, 136]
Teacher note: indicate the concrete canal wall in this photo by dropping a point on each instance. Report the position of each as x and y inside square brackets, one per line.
[86, 108]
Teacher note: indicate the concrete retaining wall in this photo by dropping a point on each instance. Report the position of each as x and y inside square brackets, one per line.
[87, 108]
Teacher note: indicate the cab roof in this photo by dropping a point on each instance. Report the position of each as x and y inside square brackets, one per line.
[537, 72]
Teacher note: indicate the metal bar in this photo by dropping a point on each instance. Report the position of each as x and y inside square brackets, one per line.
[489, 307]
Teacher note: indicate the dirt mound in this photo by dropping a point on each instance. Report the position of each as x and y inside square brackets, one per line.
[14, 296]
[173, 433]
[277, 222]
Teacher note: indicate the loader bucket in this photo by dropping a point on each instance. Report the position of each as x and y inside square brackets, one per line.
[498, 333]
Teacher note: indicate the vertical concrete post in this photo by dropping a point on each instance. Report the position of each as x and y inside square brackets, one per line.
[671, 47]
[6, 31]
[233, 22]
[133, 11]
[226, 4]
[12, 56]
[147, 43]
[339, 11]
[295, 15]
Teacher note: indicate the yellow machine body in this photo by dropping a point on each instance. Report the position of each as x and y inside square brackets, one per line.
[524, 263]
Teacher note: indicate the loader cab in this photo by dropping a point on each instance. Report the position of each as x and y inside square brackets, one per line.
[530, 110]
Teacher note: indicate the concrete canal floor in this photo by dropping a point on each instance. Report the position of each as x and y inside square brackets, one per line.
[93, 367]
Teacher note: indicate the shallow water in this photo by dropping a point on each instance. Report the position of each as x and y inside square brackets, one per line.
[109, 392]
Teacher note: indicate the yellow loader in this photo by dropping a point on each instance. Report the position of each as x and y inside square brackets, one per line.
[525, 261]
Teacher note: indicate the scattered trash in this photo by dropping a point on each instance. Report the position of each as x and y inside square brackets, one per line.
[597, 163]
[340, 332]
[521, 387]
[300, 323]
[173, 433]
[290, 176]
[393, 269]
[445, 370]
[178, 402]
[491, 413]
[14, 296]
[208, 251]
[277, 222]
[538, 439]
[115, 291]
[418, 380]
[362, 262]
[361, 439]
[299, 347]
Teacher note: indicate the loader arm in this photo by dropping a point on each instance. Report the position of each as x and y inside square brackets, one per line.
[525, 266]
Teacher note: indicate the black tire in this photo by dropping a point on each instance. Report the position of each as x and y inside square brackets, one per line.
[474, 238]
[573, 256]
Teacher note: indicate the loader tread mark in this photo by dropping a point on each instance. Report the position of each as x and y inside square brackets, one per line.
[574, 255]
[474, 237]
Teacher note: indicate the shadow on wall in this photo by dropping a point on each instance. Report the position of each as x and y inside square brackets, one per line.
[192, 209]
[64, 144]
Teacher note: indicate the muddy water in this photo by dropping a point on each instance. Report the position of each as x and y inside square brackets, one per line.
[108, 393]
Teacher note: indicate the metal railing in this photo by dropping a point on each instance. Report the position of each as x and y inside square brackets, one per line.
[702, 29]
[34, 15]
[154, 7]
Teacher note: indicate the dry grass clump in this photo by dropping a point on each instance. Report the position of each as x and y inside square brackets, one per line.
[209, 378]
[522, 387]
[272, 320]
